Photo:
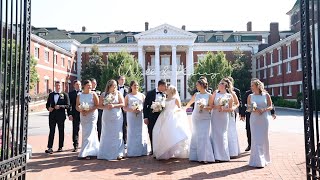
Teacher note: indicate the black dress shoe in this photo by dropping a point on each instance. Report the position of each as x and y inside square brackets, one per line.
[49, 151]
[59, 150]
[248, 148]
[151, 153]
[75, 149]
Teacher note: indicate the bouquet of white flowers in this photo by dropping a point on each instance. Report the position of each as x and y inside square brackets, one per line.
[108, 99]
[223, 101]
[252, 107]
[136, 106]
[158, 105]
[84, 106]
[201, 103]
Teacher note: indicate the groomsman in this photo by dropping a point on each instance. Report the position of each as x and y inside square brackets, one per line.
[94, 86]
[74, 115]
[244, 115]
[150, 117]
[124, 90]
[57, 103]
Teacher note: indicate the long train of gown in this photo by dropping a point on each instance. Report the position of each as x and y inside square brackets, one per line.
[171, 133]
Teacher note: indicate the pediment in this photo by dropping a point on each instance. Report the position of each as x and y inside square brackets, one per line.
[166, 31]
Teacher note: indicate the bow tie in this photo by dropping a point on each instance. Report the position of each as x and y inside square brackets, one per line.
[55, 93]
[159, 93]
[78, 91]
[121, 87]
[93, 90]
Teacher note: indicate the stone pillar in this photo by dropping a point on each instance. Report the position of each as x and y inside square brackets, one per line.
[189, 67]
[174, 66]
[157, 63]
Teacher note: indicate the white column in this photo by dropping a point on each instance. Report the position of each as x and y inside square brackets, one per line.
[144, 67]
[157, 63]
[189, 67]
[79, 62]
[174, 66]
[140, 55]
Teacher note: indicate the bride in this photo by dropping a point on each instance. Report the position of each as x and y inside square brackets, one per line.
[171, 133]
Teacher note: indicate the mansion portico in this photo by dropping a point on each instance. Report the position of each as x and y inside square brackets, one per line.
[164, 52]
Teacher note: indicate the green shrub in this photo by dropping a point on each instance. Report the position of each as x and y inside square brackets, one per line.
[279, 101]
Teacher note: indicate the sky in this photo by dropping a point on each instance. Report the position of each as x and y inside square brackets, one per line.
[131, 15]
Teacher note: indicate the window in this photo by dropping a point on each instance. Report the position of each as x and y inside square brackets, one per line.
[69, 86]
[200, 39]
[288, 67]
[271, 71]
[272, 92]
[165, 61]
[289, 51]
[279, 55]
[152, 61]
[69, 64]
[237, 38]
[95, 39]
[200, 57]
[299, 64]
[63, 86]
[264, 73]
[179, 86]
[46, 56]
[279, 69]
[258, 74]
[289, 91]
[280, 91]
[168, 82]
[42, 34]
[153, 84]
[36, 52]
[55, 58]
[62, 61]
[130, 39]
[264, 61]
[112, 39]
[258, 63]
[299, 47]
[74, 66]
[37, 88]
[271, 58]
[300, 88]
[219, 38]
[46, 85]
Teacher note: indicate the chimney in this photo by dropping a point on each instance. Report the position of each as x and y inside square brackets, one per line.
[83, 29]
[274, 35]
[183, 27]
[249, 26]
[146, 26]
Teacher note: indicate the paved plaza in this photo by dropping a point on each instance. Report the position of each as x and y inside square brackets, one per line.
[286, 146]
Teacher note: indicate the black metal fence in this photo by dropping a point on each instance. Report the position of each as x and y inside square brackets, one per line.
[310, 54]
[15, 17]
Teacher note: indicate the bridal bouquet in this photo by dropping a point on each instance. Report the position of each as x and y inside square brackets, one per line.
[108, 99]
[158, 105]
[252, 107]
[136, 106]
[201, 103]
[84, 106]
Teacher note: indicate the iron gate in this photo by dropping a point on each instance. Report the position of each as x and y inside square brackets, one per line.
[15, 17]
[310, 54]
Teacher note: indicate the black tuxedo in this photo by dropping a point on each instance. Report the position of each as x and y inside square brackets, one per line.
[57, 116]
[124, 126]
[99, 125]
[147, 112]
[72, 111]
[244, 113]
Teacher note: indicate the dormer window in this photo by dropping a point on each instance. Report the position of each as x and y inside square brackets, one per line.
[95, 39]
[112, 39]
[130, 39]
[219, 38]
[42, 34]
[237, 38]
[200, 39]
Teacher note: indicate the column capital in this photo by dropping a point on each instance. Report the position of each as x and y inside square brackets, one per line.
[174, 47]
[190, 47]
[140, 47]
[157, 46]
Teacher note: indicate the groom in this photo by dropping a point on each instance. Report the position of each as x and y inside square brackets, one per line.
[150, 118]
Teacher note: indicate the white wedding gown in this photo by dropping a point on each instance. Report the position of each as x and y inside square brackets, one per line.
[171, 133]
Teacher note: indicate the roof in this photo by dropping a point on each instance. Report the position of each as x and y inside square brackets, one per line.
[210, 36]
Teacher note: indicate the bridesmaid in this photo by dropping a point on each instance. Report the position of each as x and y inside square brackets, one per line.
[88, 119]
[111, 141]
[136, 141]
[201, 147]
[233, 142]
[220, 121]
[259, 125]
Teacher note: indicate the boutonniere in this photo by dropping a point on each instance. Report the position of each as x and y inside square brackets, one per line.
[61, 96]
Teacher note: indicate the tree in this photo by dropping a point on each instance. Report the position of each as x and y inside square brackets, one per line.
[241, 71]
[34, 78]
[214, 67]
[122, 63]
[94, 68]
